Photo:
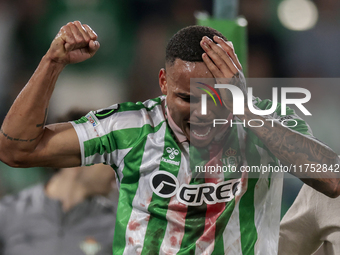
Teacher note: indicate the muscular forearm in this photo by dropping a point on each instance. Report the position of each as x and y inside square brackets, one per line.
[296, 149]
[24, 123]
[24, 141]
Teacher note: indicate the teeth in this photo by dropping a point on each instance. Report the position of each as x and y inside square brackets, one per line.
[202, 135]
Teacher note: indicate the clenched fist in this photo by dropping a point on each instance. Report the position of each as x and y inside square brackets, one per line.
[73, 44]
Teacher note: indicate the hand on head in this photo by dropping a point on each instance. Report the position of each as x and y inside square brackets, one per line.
[221, 60]
[220, 57]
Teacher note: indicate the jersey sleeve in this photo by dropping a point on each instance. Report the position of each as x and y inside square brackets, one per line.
[108, 135]
[97, 144]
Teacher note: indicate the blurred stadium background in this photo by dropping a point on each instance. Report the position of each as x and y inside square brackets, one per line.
[285, 38]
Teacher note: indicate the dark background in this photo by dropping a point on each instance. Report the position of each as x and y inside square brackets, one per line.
[133, 35]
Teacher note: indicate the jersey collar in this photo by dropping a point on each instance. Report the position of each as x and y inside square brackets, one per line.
[176, 129]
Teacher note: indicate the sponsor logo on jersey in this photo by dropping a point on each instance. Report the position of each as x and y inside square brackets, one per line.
[172, 154]
[210, 193]
[90, 246]
[92, 119]
[165, 184]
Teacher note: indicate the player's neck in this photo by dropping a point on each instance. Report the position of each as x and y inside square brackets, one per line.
[65, 187]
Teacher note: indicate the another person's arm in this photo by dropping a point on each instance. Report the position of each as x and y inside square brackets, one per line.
[300, 232]
[289, 146]
[25, 141]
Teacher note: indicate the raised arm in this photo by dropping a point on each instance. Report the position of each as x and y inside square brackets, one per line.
[289, 146]
[25, 141]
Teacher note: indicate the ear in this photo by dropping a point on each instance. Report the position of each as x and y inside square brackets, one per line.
[162, 81]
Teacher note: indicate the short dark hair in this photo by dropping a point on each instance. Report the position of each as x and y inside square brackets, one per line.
[185, 44]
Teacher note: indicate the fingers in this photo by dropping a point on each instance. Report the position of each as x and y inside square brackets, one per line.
[93, 47]
[92, 34]
[212, 67]
[220, 58]
[77, 36]
[81, 32]
[75, 39]
[229, 48]
[93, 44]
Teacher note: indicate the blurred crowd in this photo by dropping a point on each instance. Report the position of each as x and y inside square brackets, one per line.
[133, 35]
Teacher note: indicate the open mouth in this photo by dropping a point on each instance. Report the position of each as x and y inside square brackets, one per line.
[200, 131]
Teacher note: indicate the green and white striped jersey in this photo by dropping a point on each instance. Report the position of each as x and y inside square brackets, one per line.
[163, 207]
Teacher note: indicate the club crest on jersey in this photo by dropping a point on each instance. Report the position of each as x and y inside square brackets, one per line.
[166, 185]
[90, 246]
[229, 158]
[172, 154]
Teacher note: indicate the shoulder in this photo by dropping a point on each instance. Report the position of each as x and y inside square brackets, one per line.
[126, 113]
[128, 107]
[317, 199]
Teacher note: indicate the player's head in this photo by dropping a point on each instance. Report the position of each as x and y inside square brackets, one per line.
[185, 44]
[184, 61]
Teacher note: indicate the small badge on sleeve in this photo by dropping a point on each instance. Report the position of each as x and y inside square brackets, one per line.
[104, 113]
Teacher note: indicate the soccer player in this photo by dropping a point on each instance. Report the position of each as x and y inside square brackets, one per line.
[164, 207]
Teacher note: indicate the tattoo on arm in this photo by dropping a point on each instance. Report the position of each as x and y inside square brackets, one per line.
[25, 140]
[290, 144]
[16, 139]
[293, 148]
